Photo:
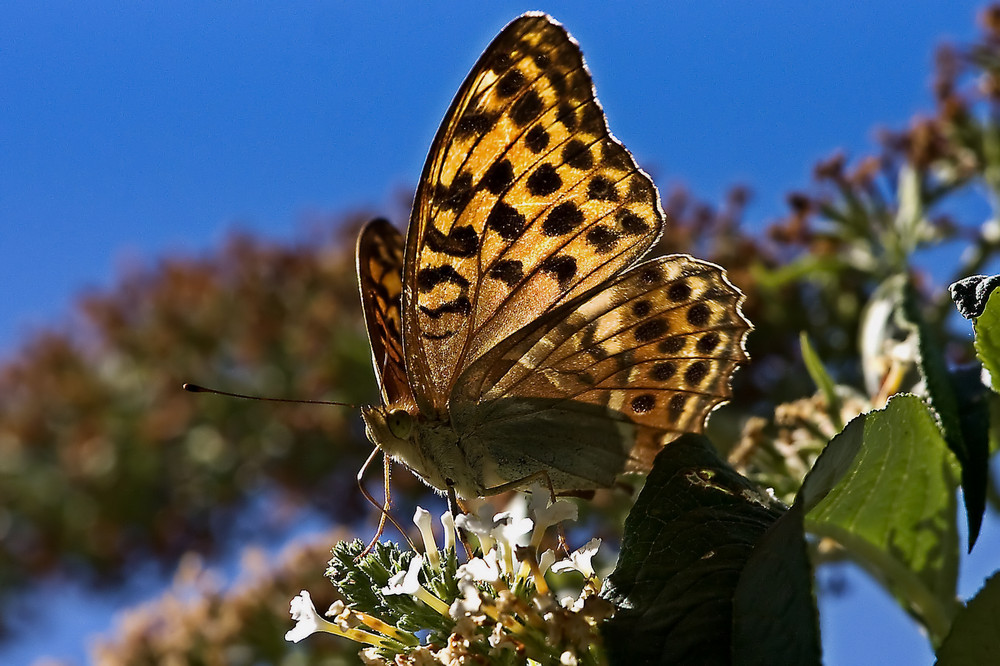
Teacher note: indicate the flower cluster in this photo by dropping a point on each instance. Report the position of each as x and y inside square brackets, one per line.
[497, 607]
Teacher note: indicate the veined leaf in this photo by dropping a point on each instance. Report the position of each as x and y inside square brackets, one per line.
[695, 580]
[894, 508]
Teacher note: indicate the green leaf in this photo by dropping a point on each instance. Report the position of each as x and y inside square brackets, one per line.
[777, 623]
[970, 445]
[837, 459]
[975, 634]
[894, 509]
[987, 328]
[695, 578]
[814, 365]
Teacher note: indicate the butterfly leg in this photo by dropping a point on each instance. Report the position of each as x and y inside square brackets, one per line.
[383, 507]
[457, 510]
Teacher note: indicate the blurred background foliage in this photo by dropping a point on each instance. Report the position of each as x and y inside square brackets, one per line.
[106, 464]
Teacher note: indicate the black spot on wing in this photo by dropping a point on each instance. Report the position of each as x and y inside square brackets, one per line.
[671, 345]
[543, 181]
[508, 271]
[557, 81]
[498, 177]
[640, 189]
[631, 224]
[501, 62]
[679, 291]
[696, 372]
[537, 139]
[644, 403]
[567, 116]
[561, 267]
[506, 221]
[663, 371]
[474, 123]
[577, 154]
[428, 278]
[717, 294]
[592, 121]
[602, 239]
[651, 330]
[676, 406]
[602, 189]
[461, 242]
[437, 336]
[510, 83]
[708, 342]
[698, 314]
[526, 108]
[615, 156]
[597, 352]
[460, 305]
[562, 219]
[457, 196]
[651, 275]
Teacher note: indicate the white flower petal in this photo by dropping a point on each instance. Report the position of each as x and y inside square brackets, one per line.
[478, 525]
[307, 619]
[469, 603]
[406, 582]
[483, 569]
[580, 559]
[512, 531]
[448, 523]
[547, 559]
[556, 512]
[422, 519]
[567, 658]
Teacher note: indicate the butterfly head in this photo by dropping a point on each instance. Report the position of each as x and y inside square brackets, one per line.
[390, 429]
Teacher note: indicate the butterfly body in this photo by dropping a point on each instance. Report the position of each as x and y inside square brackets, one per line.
[512, 331]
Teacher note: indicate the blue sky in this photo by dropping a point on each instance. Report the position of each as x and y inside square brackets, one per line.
[128, 131]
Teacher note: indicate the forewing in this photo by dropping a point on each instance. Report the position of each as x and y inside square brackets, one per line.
[526, 201]
[380, 267]
[655, 349]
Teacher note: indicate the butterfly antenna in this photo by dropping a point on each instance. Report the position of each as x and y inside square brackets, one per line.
[195, 388]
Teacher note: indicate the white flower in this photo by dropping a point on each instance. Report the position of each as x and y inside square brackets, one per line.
[406, 582]
[547, 559]
[550, 515]
[480, 524]
[422, 519]
[307, 619]
[448, 523]
[484, 569]
[469, 603]
[580, 559]
[338, 611]
[499, 639]
[567, 658]
[508, 532]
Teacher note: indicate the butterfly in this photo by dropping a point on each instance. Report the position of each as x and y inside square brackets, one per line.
[515, 334]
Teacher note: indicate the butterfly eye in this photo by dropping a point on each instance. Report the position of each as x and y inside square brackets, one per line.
[400, 423]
